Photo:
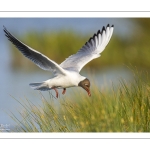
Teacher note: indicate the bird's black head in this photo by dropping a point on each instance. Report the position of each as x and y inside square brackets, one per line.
[85, 84]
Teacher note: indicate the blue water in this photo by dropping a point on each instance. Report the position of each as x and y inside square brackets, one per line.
[16, 83]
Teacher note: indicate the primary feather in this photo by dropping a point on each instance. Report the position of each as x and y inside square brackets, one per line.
[39, 59]
[89, 51]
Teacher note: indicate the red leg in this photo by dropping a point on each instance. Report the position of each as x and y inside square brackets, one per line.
[55, 91]
[64, 91]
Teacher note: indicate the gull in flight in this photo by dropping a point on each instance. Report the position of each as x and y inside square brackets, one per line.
[65, 74]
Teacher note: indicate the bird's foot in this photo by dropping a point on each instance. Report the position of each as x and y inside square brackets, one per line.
[64, 91]
[55, 91]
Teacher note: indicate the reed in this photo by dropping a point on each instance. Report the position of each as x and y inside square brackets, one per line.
[121, 108]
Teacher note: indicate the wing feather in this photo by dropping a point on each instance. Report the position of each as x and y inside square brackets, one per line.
[38, 58]
[89, 51]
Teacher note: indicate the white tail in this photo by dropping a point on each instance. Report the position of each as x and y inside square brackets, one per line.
[39, 86]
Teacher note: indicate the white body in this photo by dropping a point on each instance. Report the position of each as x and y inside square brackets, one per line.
[71, 79]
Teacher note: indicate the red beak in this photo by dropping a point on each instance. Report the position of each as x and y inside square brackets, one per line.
[89, 93]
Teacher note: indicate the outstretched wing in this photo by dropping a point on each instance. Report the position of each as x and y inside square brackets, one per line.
[39, 59]
[89, 51]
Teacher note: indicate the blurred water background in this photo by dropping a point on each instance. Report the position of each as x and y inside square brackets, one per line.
[16, 72]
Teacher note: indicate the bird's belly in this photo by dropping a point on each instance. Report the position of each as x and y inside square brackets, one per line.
[64, 82]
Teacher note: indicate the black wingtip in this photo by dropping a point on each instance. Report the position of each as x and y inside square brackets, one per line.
[4, 28]
[5, 31]
[103, 29]
[94, 36]
[98, 32]
[108, 26]
[90, 39]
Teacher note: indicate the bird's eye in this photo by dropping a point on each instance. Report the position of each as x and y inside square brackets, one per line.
[86, 85]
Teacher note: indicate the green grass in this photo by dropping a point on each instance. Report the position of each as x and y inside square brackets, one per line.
[122, 108]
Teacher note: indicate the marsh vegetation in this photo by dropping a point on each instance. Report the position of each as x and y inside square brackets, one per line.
[122, 108]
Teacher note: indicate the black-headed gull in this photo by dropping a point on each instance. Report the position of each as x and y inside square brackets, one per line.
[67, 73]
